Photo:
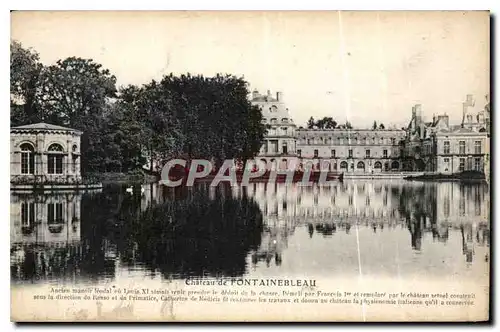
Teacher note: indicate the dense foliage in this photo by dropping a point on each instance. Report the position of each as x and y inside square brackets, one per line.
[124, 128]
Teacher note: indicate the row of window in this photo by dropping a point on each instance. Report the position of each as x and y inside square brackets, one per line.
[341, 141]
[54, 161]
[462, 164]
[350, 153]
[461, 147]
[54, 213]
[343, 165]
[275, 121]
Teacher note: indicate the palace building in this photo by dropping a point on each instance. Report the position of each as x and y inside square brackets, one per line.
[361, 151]
[44, 153]
[423, 146]
[279, 148]
[438, 146]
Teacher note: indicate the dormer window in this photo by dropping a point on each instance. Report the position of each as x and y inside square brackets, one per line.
[274, 120]
[284, 120]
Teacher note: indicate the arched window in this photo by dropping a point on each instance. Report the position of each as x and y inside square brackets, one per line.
[343, 165]
[284, 164]
[27, 159]
[360, 165]
[378, 165]
[273, 120]
[55, 159]
[273, 164]
[395, 165]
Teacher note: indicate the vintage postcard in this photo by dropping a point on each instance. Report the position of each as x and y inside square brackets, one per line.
[250, 166]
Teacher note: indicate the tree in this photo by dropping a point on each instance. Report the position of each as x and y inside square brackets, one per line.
[381, 126]
[374, 125]
[326, 123]
[200, 117]
[73, 89]
[74, 93]
[348, 125]
[311, 123]
[24, 72]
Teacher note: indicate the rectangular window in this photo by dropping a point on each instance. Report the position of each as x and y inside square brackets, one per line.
[461, 166]
[24, 163]
[367, 153]
[50, 165]
[299, 152]
[477, 147]
[315, 153]
[350, 153]
[59, 164]
[461, 147]
[285, 148]
[333, 154]
[385, 153]
[477, 164]
[27, 214]
[55, 164]
[446, 147]
[54, 213]
[350, 200]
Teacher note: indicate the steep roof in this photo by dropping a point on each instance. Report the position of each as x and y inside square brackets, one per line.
[43, 126]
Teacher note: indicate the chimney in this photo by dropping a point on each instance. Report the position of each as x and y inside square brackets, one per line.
[445, 119]
[269, 93]
[422, 130]
[279, 96]
[255, 94]
[418, 115]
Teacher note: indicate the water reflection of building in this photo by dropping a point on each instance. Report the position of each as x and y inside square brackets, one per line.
[49, 240]
[340, 202]
[45, 219]
[44, 230]
[420, 208]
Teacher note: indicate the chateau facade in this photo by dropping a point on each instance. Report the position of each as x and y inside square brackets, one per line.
[437, 146]
[434, 146]
[362, 151]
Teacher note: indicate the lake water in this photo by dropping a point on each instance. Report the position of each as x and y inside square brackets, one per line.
[376, 228]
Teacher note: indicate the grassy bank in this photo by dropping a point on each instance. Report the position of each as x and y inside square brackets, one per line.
[114, 177]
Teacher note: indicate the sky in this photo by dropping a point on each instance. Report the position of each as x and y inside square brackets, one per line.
[356, 66]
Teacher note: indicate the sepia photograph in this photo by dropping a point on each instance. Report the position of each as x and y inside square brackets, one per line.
[250, 166]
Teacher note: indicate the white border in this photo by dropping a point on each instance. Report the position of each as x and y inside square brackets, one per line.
[191, 5]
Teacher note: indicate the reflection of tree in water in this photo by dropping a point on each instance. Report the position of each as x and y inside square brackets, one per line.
[194, 235]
